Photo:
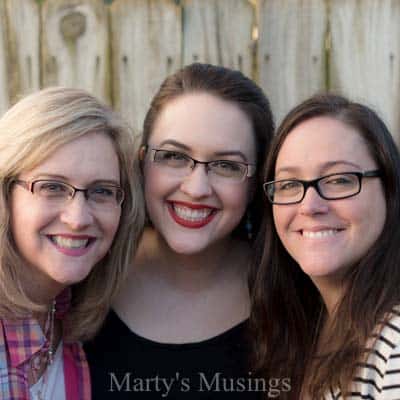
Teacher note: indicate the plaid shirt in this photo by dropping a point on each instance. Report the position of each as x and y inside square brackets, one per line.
[22, 339]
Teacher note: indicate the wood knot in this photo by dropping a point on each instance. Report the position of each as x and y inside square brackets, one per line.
[73, 25]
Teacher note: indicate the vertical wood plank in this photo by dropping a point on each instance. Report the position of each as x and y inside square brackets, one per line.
[236, 19]
[146, 37]
[219, 32]
[4, 90]
[24, 36]
[200, 33]
[365, 55]
[291, 54]
[75, 45]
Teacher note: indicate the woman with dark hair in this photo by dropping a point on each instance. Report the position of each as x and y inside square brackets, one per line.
[181, 318]
[329, 276]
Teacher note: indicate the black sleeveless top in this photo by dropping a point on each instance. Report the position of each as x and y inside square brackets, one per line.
[124, 365]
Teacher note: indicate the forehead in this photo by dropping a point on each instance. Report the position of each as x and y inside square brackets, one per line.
[321, 140]
[88, 158]
[204, 122]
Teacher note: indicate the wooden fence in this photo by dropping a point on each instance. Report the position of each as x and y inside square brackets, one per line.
[121, 50]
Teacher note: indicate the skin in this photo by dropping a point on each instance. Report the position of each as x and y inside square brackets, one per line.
[317, 147]
[199, 273]
[47, 269]
[213, 126]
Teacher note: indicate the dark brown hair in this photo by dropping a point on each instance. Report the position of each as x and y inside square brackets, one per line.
[229, 85]
[287, 307]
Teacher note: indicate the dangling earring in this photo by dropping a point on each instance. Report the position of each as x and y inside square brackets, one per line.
[249, 225]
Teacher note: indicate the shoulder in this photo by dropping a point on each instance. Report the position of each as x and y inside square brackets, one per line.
[379, 376]
[3, 347]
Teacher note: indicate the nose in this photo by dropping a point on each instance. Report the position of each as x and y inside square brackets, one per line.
[313, 203]
[197, 183]
[76, 212]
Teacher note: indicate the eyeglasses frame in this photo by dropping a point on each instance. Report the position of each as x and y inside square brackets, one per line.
[314, 183]
[29, 185]
[250, 168]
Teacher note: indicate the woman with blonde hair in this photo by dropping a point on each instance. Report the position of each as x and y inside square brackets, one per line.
[71, 213]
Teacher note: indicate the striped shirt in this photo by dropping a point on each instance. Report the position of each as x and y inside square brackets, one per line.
[21, 339]
[379, 377]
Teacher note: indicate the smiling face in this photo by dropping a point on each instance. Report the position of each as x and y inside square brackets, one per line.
[193, 212]
[326, 237]
[62, 242]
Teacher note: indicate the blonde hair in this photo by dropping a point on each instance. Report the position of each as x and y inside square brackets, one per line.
[30, 132]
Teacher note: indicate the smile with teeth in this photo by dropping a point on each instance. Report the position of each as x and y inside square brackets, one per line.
[320, 234]
[190, 214]
[69, 243]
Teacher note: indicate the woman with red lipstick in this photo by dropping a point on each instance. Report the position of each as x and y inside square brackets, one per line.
[67, 179]
[329, 274]
[181, 317]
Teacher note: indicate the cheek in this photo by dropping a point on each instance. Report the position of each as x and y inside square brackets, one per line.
[110, 225]
[282, 215]
[371, 216]
[156, 188]
[26, 219]
[234, 197]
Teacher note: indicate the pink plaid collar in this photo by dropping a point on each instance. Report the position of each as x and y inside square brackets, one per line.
[21, 339]
[25, 337]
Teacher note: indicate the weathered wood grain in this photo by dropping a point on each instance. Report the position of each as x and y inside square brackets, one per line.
[200, 32]
[236, 20]
[4, 89]
[24, 51]
[75, 45]
[219, 32]
[291, 53]
[365, 55]
[146, 37]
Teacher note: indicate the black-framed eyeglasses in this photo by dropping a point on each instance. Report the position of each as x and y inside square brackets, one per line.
[53, 191]
[182, 165]
[330, 187]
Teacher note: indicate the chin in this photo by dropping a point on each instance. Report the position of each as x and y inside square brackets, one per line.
[71, 279]
[321, 271]
[186, 248]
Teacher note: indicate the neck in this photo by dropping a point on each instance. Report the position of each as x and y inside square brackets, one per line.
[192, 272]
[39, 287]
[331, 291]
[43, 317]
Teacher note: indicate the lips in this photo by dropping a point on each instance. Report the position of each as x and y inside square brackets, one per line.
[72, 245]
[191, 215]
[320, 233]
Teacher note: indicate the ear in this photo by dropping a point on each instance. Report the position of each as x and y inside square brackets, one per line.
[142, 152]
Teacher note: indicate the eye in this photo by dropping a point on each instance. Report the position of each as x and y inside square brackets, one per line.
[103, 194]
[102, 191]
[286, 186]
[171, 158]
[342, 180]
[51, 188]
[228, 169]
[227, 165]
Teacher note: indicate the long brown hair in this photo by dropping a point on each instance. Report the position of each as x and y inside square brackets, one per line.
[288, 309]
[229, 85]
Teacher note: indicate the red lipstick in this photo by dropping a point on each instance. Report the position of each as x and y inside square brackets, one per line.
[191, 224]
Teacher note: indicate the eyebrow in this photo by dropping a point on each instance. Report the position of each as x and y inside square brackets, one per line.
[325, 166]
[65, 179]
[218, 153]
[175, 143]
